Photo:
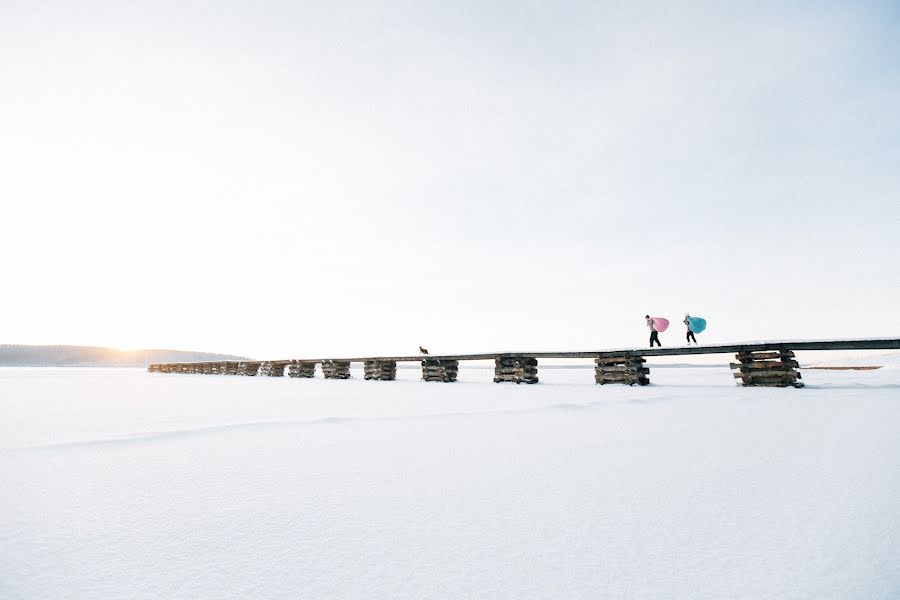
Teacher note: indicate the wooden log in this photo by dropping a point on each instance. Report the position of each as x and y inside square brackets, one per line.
[629, 382]
[514, 361]
[767, 379]
[622, 359]
[765, 374]
[445, 378]
[619, 376]
[765, 364]
[515, 380]
[772, 382]
[436, 362]
[762, 355]
[499, 370]
[621, 369]
[753, 371]
[623, 379]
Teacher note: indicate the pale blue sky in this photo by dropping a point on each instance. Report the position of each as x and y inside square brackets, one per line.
[280, 178]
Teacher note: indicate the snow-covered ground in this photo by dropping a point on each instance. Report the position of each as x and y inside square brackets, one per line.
[123, 484]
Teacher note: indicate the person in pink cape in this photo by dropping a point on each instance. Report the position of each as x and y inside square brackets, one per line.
[654, 335]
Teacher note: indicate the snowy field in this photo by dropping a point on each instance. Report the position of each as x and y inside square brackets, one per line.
[123, 484]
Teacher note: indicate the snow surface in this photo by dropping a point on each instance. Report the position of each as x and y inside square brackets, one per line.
[123, 484]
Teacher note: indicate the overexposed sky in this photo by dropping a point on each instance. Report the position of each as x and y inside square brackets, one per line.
[287, 179]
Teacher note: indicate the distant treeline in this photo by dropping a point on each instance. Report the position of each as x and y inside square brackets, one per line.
[93, 356]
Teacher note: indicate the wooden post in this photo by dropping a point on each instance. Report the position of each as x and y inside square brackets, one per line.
[380, 370]
[435, 369]
[516, 369]
[336, 369]
[307, 370]
[624, 367]
[775, 368]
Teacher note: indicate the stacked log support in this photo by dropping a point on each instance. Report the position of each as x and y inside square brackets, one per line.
[380, 370]
[435, 369]
[154, 368]
[772, 368]
[516, 369]
[249, 369]
[306, 370]
[336, 369]
[623, 368]
[230, 368]
[270, 369]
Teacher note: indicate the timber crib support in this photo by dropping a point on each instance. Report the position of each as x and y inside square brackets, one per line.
[270, 369]
[516, 369]
[439, 369]
[306, 370]
[249, 369]
[336, 369]
[777, 368]
[380, 370]
[625, 368]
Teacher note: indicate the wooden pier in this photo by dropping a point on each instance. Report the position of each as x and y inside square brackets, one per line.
[767, 364]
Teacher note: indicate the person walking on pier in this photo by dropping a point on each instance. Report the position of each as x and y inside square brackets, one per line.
[654, 335]
[690, 332]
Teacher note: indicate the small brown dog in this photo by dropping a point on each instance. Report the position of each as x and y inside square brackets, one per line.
[423, 350]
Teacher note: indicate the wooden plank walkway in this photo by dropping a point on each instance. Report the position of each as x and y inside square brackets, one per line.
[799, 345]
[759, 363]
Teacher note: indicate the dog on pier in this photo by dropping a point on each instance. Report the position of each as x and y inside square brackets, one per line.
[423, 350]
